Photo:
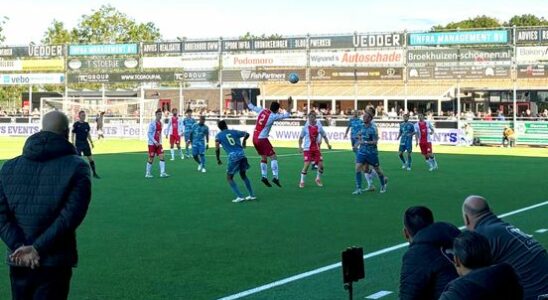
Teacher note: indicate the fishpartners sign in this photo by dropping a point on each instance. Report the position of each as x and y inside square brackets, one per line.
[461, 37]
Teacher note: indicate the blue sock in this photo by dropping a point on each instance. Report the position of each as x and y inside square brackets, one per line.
[409, 161]
[402, 159]
[202, 160]
[381, 179]
[248, 186]
[359, 180]
[235, 189]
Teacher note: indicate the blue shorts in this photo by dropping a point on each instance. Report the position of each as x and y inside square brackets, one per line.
[406, 147]
[371, 159]
[236, 166]
[198, 149]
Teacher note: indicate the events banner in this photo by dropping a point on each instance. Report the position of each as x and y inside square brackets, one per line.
[453, 56]
[356, 73]
[455, 72]
[186, 61]
[33, 51]
[532, 54]
[532, 71]
[28, 79]
[530, 36]
[103, 63]
[264, 60]
[260, 75]
[459, 38]
[103, 49]
[278, 133]
[161, 48]
[363, 58]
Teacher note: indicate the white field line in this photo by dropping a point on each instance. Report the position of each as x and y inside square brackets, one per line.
[337, 265]
[167, 154]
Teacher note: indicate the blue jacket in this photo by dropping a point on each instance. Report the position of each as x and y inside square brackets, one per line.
[44, 196]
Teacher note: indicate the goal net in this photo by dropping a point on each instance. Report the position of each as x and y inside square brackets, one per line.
[124, 117]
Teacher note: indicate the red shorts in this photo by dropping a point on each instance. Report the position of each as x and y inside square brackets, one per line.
[313, 155]
[426, 148]
[154, 150]
[174, 139]
[263, 146]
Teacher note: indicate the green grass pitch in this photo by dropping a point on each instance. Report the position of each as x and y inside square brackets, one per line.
[182, 237]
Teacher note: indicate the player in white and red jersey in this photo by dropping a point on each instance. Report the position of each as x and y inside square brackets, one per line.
[312, 135]
[155, 145]
[265, 120]
[174, 129]
[423, 132]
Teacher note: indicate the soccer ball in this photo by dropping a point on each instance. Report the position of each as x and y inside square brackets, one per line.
[293, 78]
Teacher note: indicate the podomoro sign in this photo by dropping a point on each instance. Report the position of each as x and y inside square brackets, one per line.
[459, 37]
[266, 59]
[356, 74]
[30, 79]
[103, 63]
[260, 75]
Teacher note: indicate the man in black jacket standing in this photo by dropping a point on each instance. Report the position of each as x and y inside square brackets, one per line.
[425, 270]
[44, 196]
[479, 280]
[509, 245]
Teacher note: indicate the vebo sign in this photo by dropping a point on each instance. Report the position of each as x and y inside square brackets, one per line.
[28, 79]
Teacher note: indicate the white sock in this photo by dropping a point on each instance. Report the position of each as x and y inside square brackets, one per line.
[303, 176]
[172, 153]
[274, 166]
[318, 174]
[149, 168]
[162, 166]
[429, 162]
[264, 169]
[181, 152]
[368, 178]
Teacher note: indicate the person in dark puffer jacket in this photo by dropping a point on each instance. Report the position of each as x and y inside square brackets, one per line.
[479, 279]
[425, 270]
[44, 197]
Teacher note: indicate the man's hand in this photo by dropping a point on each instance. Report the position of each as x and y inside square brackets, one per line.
[26, 256]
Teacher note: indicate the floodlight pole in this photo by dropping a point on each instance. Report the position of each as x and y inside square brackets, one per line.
[349, 288]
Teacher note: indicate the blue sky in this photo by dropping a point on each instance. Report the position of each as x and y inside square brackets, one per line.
[28, 20]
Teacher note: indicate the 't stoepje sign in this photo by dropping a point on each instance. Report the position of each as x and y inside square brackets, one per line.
[103, 63]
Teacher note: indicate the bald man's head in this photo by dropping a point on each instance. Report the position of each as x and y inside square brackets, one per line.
[56, 122]
[473, 208]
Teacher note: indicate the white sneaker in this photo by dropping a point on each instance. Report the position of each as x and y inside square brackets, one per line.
[173, 158]
[357, 192]
[370, 188]
[408, 168]
[203, 170]
[164, 175]
[183, 157]
[249, 198]
[383, 187]
[149, 176]
[239, 199]
[403, 166]
[199, 168]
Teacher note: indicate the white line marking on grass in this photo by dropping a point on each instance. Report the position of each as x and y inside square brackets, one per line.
[379, 295]
[250, 156]
[336, 265]
[543, 230]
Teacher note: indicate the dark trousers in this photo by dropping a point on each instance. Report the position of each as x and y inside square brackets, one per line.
[44, 283]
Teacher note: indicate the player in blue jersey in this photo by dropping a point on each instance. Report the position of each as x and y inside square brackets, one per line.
[188, 122]
[237, 162]
[355, 125]
[407, 131]
[198, 134]
[368, 154]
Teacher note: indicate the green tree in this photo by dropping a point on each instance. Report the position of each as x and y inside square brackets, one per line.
[3, 21]
[249, 36]
[477, 22]
[104, 25]
[526, 20]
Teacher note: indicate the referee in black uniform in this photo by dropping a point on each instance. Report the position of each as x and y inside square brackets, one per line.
[80, 137]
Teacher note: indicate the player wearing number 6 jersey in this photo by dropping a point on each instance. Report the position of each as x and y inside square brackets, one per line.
[237, 162]
[265, 120]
